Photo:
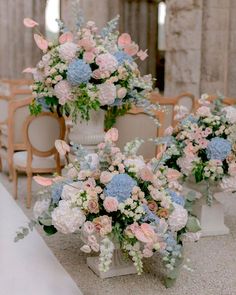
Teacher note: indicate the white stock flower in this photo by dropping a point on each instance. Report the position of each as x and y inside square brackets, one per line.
[66, 219]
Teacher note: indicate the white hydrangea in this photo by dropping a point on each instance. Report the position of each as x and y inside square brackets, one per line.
[230, 113]
[67, 51]
[106, 93]
[178, 218]
[67, 219]
[40, 207]
[191, 237]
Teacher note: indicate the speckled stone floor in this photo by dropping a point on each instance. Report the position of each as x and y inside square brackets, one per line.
[212, 260]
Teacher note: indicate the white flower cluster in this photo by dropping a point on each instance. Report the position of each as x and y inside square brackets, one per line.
[106, 253]
[132, 209]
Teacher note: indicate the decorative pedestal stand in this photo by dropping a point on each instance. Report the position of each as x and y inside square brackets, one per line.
[211, 217]
[89, 133]
[119, 266]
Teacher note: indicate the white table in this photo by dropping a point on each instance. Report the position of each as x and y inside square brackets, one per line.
[28, 267]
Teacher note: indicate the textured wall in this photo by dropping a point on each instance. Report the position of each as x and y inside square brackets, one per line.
[201, 47]
[17, 47]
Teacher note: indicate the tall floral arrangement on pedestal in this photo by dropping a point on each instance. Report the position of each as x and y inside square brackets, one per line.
[86, 70]
[112, 197]
[203, 144]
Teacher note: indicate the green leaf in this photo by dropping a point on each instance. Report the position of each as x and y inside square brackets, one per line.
[193, 224]
[49, 230]
[45, 221]
[191, 196]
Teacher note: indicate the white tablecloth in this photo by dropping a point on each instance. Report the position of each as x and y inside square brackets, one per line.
[27, 267]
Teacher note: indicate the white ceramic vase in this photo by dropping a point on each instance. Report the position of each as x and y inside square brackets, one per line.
[89, 133]
[120, 265]
[210, 215]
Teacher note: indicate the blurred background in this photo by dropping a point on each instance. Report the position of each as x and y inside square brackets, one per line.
[191, 43]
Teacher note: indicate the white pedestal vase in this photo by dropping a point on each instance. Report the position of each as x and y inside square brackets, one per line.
[120, 265]
[211, 216]
[89, 133]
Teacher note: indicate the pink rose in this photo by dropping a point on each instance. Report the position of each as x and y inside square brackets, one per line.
[106, 177]
[121, 92]
[103, 224]
[111, 135]
[232, 169]
[172, 174]
[110, 204]
[93, 206]
[89, 57]
[87, 43]
[147, 253]
[124, 40]
[204, 111]
[88, 227]
[30, 23]
[146, 174]
[152, 205]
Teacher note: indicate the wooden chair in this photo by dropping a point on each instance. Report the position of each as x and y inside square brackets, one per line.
[226, 101]
[187, 99]
[41, 155]
[7, 86]
[11, 136]
[136, 123]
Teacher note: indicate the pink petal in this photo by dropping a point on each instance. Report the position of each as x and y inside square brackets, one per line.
[29, 70]
[43, 180]
[62, 147]
[41, 42]
[30, 23]
[142, 54]
[131, 49]
[124, 40]
[66, 37]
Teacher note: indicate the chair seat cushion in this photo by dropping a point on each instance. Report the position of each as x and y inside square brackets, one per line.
[20, 160]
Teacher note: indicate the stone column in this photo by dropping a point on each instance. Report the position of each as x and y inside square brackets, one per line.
[183, 46]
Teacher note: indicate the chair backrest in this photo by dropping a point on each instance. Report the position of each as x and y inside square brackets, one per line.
[7, 86]
[226, 101]
[42, 131]
[184, 99]
[17, 113]
[136, 123]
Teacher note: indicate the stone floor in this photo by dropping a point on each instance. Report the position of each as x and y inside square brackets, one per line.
[212, 260]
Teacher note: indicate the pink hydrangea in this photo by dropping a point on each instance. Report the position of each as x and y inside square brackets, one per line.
[67, 51]
[107, 62]
[62, 91]
[106, 93]
[204, 111]
[178, 218]
[186, 163]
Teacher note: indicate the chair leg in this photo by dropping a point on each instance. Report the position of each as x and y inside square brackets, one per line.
[15, 183]
[29, 188]
[0, 164]
[10, 167]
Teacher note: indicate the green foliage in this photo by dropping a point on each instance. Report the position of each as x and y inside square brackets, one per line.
[199, 172]
[24, 231]
[193, 224]
[49, 230]
[114, 112]
[35, 108]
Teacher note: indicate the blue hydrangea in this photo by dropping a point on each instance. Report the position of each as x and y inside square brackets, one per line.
[122, 57]
[57, 189]
[150, 216]
[78, 72]
[176, 198]
[189, 120]
[218, 149]
[120, 187]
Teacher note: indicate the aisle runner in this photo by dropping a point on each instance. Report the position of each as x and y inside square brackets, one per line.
[27, 267]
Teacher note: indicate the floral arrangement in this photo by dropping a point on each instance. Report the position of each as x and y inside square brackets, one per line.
[203, 144]
[112, 197]
[87, 70]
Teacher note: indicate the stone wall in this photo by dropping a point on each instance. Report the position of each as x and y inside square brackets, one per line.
[201, 47]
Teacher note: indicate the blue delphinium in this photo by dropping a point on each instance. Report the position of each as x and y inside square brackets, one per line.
[218, 149]
[176, 198]
[122, 57]
[78, 72]
[150, 216]
[189, 120]
[120, 187]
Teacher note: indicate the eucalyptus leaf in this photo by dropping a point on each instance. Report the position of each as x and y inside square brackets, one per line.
[193, 224]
